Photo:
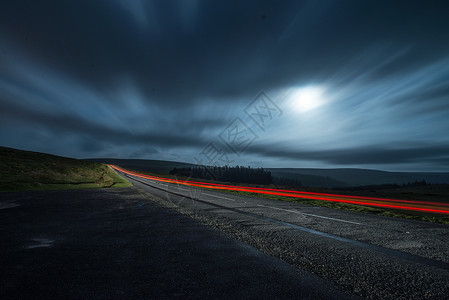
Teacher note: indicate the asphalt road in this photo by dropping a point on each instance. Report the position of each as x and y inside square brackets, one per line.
[371, 256]
[123, 244]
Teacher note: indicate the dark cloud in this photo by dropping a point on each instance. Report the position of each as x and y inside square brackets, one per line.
[65, 124]
[231, 50]
[373, 155]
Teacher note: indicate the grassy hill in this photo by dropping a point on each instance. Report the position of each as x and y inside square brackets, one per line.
[24, 170]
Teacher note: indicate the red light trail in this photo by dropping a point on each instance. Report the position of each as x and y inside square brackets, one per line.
[421, 206]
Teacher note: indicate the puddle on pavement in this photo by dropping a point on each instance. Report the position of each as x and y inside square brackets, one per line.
[40, 243]
[5, 205]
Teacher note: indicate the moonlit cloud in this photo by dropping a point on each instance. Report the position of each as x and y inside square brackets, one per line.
[359, 84]
[305, 99]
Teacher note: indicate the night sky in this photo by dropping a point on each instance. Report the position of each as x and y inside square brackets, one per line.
[318, 83]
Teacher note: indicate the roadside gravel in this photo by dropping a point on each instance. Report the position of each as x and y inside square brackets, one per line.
[365, 272]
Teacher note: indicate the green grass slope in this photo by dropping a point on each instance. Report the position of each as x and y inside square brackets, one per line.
[24, 170]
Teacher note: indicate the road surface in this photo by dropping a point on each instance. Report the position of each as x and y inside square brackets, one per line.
[122, 244]
[372, 256]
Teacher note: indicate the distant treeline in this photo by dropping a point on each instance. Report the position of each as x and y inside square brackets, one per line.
[228, 174]
[383, 186]
[238, 174]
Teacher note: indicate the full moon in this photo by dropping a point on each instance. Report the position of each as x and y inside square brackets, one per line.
[307, 98]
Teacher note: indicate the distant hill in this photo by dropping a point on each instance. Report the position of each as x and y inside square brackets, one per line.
[25, 170]
[357, 177]
[309, 180]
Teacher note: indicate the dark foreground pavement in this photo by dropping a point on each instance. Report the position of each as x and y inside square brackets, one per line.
[119, 243]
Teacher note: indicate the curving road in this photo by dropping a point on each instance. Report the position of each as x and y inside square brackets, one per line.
[371, 256]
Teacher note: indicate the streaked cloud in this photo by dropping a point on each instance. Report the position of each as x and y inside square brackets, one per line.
[160, 79]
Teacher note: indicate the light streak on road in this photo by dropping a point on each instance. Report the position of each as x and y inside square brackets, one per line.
[420, 206]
